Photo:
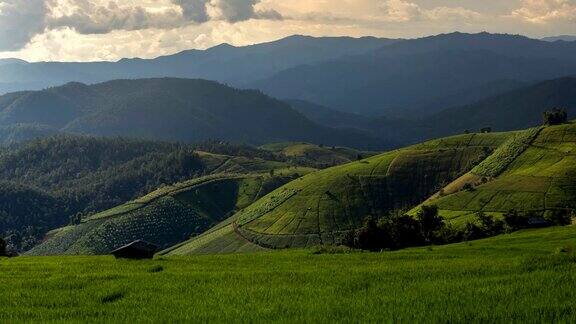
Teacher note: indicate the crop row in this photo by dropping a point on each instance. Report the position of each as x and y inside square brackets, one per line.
[504, 155]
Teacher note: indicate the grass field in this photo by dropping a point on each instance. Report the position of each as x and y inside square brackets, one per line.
[521, 277]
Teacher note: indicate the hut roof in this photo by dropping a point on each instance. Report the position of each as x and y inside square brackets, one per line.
[136, 249]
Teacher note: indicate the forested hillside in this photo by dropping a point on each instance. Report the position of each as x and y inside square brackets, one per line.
[170, 109]
[512, 110]
[406, 78]
[516, 109]
[53, 181]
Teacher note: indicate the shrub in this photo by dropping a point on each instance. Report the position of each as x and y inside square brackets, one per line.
[555, 117]
[370, 236]
[515, 220]
[76, 219]
[449, 234]
[430, 221]
[401, 231]
[489, 225]
[473, 232]
[559, 217]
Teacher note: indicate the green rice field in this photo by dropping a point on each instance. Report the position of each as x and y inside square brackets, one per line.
[528, 276]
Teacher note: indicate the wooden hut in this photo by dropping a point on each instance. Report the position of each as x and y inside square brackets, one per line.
[137, 250]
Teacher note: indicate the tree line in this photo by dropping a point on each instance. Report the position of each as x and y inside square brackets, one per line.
[398, 230]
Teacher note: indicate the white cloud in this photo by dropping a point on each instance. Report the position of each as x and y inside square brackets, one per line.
[112, 29]
[454, 14]
[401, 11]
[406, 11]
[21, 20]
[545, 11]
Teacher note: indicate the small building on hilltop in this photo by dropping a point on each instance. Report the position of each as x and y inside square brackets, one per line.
[137, 250]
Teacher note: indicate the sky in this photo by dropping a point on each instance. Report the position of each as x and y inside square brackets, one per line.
[93, 30]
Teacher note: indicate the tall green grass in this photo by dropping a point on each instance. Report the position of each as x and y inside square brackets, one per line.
[528, 276]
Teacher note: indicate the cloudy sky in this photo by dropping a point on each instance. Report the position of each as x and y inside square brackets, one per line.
[88, 30]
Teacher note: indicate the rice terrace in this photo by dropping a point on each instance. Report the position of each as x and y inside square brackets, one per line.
[267, 161]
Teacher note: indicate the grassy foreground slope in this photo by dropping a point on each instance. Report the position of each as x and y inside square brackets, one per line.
[534, 171]
[320, 207]
[165, 217]
[521, 277]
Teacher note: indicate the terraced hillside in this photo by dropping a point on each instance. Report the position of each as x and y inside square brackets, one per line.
[531, 170]
[535, 171]
[165, 217]
[86, 175]
[319, 156]
[321, 207]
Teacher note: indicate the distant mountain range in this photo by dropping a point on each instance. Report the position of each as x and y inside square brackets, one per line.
[515, 109]
[237, 66]
[563, 38]
[169, 109]
[366, 93]
[186, 110]
[367, 76]
[408, 77]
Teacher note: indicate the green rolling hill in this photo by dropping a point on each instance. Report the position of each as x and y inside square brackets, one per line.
[529, 171]
[321, 207]
[534, 171]
[165, 217]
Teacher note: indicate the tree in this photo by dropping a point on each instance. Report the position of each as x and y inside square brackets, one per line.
[468, 187]
[76, 219]
[559, 217]
[370, 236]
[473, 232]
[515, 221]
[3, 246]
[404, 231]
[430, 221]
[490, 225]
[555, 117]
